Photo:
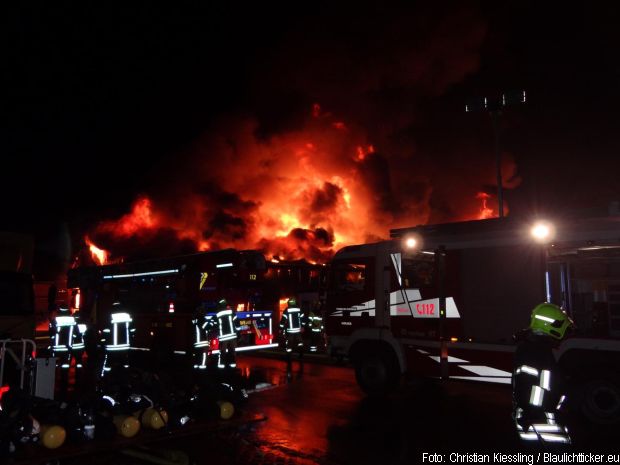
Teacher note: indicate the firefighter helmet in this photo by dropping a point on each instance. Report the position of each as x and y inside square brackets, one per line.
[551, 320]
[222, 304]
[227, 409]
[154, 418]
[127, 425]
[53, 436]
[292, 302]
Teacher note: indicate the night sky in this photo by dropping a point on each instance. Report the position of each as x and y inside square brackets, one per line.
[101, 104]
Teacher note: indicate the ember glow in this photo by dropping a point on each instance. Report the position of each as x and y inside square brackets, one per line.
[299, 194]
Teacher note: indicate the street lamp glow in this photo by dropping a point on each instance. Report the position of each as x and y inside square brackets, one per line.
[410, 243]
[542, 232]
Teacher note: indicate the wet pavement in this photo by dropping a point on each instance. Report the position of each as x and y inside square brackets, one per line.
[304, 409]
[316, 414]
[319, 415]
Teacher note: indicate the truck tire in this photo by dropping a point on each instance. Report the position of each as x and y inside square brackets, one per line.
[601, 401]
[376, 374]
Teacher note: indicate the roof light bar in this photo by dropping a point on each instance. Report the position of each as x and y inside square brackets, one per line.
[135, 275]
[224, 265]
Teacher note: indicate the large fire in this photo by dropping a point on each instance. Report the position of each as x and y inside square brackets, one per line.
[302, 194]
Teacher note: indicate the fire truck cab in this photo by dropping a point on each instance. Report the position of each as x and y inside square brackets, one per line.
[444, 301]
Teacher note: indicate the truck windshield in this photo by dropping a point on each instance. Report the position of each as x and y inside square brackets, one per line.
[16, 294]
[349, 276]
[418, 271]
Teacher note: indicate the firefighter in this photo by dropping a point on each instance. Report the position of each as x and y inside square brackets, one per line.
[290, 328]
[226, 321]
[62, 333]
[537, 382]
[203, 323]
[77, 348]
[314, 325]
[117, 338]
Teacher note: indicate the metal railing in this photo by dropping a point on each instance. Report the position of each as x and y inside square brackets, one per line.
[11, 348]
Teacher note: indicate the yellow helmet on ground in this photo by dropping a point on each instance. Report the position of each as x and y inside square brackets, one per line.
[53, 436]
[127, 425]
[154, 418]
[227, 410]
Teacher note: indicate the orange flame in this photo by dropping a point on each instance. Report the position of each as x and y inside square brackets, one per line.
[297, 195]
[141, 218]
[485, 211]
[100, 256]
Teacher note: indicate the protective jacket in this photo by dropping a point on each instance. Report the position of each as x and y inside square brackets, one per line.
[117, 337]
[203, 323]
[227, 337]
[291, 320]
[290, 327]
[77, 348]
[315, 322]
[203, 326]
[315, 325]
[227, 325]
[62, 334]
[538, 391]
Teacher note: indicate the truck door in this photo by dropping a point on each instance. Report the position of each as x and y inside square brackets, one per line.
[350, 298]
[416, 311]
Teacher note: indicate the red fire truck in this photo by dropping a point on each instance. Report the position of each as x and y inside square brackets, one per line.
[444, 301]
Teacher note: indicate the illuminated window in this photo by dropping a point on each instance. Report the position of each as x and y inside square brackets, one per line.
[350, 277]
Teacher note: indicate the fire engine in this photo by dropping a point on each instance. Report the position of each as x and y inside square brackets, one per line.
[444, 301]
[162, 294]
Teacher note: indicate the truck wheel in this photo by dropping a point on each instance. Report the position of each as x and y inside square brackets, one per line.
[376, 374]
[601, 402]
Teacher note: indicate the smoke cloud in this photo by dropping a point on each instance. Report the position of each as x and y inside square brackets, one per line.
[331, 150]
